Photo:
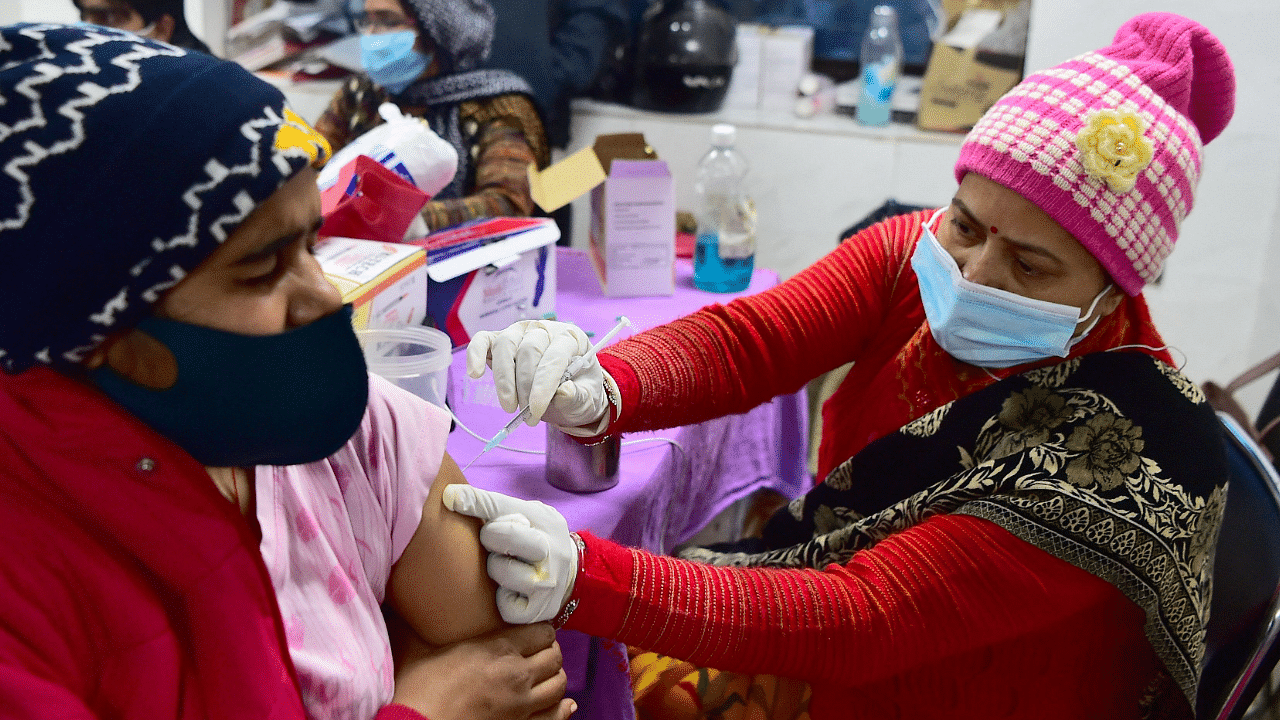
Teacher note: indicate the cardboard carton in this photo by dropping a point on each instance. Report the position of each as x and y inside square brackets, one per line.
[633, 217]
[976, 62]
[386, 283]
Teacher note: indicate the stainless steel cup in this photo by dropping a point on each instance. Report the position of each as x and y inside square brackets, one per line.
[577, 468]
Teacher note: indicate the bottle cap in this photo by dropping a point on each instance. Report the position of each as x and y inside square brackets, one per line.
[884, 16]
[723, 135]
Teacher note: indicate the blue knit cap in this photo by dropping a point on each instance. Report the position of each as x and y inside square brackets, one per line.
[123, 164]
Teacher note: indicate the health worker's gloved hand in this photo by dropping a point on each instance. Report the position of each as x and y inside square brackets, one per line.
[533, 557]
[529, 359]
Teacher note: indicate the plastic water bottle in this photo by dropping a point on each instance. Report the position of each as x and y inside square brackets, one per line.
[725, 254]
[881, 65]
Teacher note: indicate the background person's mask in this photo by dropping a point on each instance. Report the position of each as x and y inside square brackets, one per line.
[390, 59]
[243, 400]
[985, 326]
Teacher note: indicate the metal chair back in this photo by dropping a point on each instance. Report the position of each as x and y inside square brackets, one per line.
[1244, 624]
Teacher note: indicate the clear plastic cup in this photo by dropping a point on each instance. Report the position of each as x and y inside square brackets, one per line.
[414, 357]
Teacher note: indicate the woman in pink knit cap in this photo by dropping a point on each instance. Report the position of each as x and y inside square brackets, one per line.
[1020, 493]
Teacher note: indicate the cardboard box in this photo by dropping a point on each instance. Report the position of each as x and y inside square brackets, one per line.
[385, 282]
[787, 55]
[976, 62]
[744, 84]
[633, 214]
[487, 274]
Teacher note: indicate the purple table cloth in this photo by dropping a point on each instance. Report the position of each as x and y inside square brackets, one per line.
[665, 494]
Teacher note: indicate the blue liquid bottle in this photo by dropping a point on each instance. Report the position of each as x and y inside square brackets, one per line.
[725, 255]
[881, 65]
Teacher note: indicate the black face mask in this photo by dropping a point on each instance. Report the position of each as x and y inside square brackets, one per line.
[243, 400]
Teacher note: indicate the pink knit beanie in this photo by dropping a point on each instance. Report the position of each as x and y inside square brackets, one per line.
[1108, 143]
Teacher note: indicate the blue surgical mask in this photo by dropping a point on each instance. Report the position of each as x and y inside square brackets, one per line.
[391, 60]
[242, 400]
[986, 326]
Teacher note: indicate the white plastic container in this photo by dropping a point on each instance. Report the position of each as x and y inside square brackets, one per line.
[414, 357]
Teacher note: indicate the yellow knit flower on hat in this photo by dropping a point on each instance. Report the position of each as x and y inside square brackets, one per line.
[295, 133]
[1113, 148]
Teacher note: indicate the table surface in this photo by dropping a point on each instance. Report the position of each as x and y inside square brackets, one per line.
[665, 493]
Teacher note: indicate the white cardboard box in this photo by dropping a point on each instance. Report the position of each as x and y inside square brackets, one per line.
[786, 57]
[633, 217]
[386, 283]
[633, 229]
[500, 276]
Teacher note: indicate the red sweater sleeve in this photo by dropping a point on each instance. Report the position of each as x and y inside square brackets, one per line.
[943, 589]
[727, 359]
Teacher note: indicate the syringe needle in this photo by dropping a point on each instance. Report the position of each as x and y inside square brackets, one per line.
[570, 372]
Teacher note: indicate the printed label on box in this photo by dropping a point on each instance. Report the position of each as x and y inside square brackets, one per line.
[386, 283]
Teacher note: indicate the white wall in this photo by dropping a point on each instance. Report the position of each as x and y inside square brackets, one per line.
[206, 18]
[1220, 299]
[44, 11]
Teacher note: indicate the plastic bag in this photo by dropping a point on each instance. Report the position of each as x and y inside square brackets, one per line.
[404, 144]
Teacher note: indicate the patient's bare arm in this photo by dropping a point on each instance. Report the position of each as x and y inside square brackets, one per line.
[439, 585]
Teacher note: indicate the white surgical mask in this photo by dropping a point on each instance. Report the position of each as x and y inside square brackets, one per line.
[986, 326]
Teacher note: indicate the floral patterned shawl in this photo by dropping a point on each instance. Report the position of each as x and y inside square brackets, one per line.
[1112, 462]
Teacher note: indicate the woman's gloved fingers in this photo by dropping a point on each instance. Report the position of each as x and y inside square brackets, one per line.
[514, 607]
[519, 576]
[529, 359]
[507, 353]
[478, 352]
[483, 504]
[537, 349]
[513, 535]
[580, 401]
[546, 371]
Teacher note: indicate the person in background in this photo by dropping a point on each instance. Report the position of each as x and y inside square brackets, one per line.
[208, 502]
[163, 20]
[1020, 493]
[558, 46]
[422, 55]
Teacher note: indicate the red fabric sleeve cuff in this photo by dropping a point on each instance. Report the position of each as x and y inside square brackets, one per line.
[396, 711]
[628, 386]
[602, 588]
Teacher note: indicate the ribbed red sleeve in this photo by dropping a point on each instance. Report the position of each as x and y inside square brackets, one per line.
[953, 587]
[727, 359]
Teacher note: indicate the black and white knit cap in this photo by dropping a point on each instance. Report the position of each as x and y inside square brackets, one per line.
[125, 163]
[461, 29]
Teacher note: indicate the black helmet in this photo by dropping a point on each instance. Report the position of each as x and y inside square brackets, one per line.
[685, 57]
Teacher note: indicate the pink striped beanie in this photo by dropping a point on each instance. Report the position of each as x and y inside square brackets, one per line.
[1109, 142]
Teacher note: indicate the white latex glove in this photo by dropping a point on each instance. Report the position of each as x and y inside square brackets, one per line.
[533, 558]
[528, 360]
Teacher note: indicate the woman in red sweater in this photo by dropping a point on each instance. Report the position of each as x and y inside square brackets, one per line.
[1020, 493]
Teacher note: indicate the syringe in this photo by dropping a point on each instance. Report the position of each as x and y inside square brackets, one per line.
[570, 372]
